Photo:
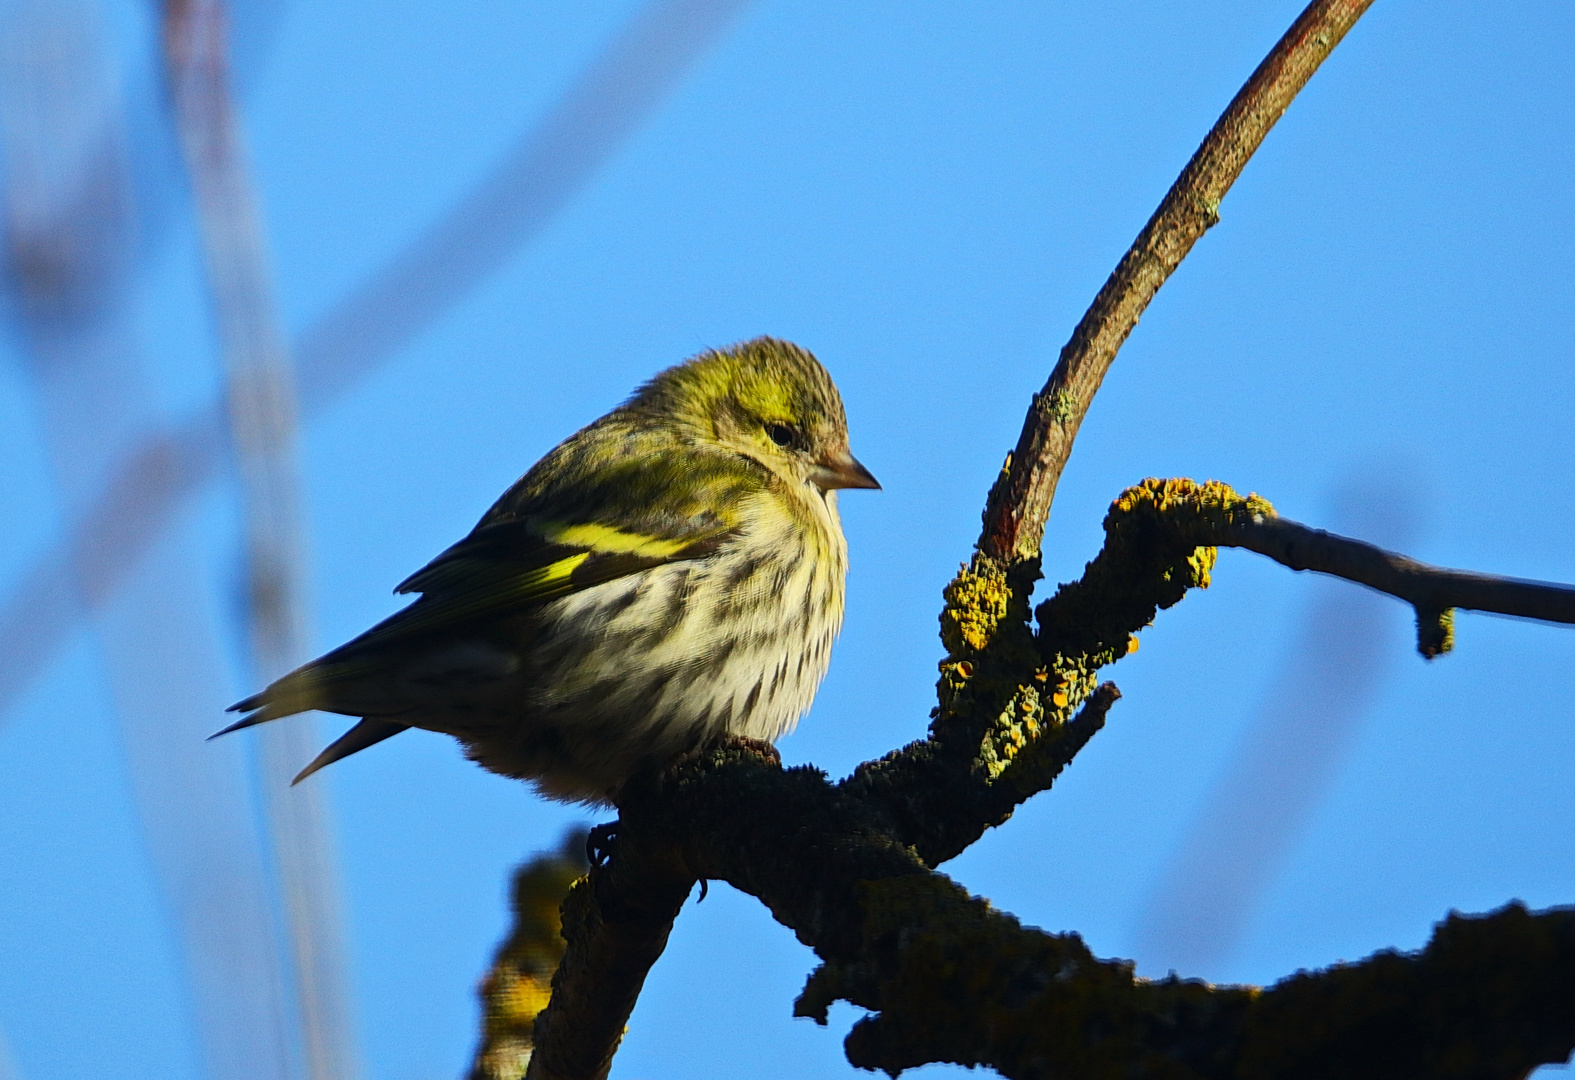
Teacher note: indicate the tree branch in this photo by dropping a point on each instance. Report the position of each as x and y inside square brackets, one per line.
[951, 979]
[849, 866]
[1019, 504]
[1160, 524]
[616, 923]
[1434, 591]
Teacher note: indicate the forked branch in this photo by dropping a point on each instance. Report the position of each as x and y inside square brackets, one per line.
[1161, 524]
[849, 867]
[1006, 725]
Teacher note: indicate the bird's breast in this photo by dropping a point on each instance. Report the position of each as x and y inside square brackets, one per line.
[736, 642]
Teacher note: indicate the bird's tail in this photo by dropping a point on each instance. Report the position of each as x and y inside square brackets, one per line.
[368, 732]
[318, 685]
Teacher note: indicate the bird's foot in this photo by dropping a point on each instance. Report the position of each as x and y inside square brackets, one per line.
[600, 842]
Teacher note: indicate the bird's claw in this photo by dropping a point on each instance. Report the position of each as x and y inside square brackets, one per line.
[599, 843]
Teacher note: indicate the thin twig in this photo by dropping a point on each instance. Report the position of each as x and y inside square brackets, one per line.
[1432, 590]
[1019, 504]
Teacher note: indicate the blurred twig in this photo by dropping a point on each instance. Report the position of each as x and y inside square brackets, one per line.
[1019, 504]
[547, 167]
[70, 230]
[552, 161]
[262, 412]
[518, 984]
[1295, 744]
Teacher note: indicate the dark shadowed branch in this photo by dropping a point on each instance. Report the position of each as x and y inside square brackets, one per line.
[948, 978]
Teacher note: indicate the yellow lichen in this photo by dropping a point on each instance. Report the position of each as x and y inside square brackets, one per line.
[1435, 631]
[1014, 688]
[1156, 548]
[1182, 499]
[976, 602]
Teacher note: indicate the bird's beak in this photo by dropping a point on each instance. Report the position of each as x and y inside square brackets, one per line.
[841, 470]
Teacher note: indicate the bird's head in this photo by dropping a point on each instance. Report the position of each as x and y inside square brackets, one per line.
[767, 400]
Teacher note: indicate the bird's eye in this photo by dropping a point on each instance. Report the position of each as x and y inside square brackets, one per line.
[780, 434]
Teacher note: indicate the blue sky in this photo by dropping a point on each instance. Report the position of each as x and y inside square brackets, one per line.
[927, 196]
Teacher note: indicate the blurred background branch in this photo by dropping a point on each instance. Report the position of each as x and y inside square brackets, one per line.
[260, 394]
[72, 247]
[519, 981]
[70, 216]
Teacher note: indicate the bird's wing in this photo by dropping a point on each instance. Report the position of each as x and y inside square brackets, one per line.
[604, 504]
[638, 507]
[509, 566]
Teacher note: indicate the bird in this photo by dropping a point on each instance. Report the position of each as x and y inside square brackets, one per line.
[670, 576]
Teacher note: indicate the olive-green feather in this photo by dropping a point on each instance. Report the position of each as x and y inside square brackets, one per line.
[553, 533]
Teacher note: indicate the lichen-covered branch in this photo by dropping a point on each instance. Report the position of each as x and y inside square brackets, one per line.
[1490, 997]
[849, 868]
[937, 800]
[1160, 540]
[1014, 518]
[615, 922]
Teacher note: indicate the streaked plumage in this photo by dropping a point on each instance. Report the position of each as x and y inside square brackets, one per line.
[671, 574]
